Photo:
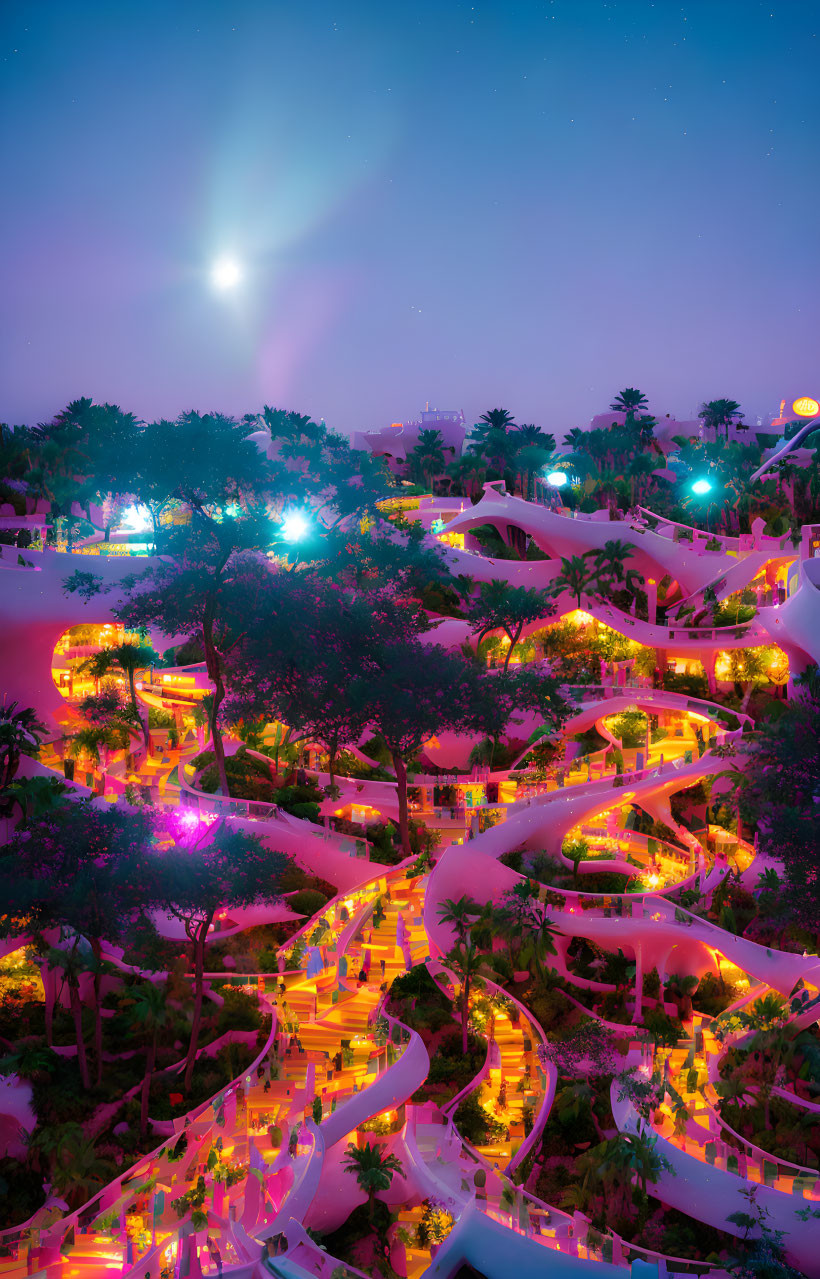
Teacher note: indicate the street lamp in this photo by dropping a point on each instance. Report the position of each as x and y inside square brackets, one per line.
[295, 525]
[701, 488]
[557, 479]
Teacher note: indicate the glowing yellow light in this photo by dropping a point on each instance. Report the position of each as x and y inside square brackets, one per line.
[805, 406]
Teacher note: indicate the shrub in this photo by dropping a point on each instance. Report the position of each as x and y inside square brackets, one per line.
[307, 901]
[630, 728]
[713, 996]
[450, 1046]
[417, 981]
[475, 1124]
[692, 685]
[430, 1017]
[267, 961]
[158, 718]
[550, 1009]
[240, 1011]
[663, 1028]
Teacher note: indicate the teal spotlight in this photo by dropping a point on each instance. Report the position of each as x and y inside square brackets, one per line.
[295, 525]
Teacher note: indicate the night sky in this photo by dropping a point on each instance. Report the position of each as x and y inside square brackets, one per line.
[520, 204]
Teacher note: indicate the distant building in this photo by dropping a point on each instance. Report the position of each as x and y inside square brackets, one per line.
[668, 427]
[399, 439]
[793, 410]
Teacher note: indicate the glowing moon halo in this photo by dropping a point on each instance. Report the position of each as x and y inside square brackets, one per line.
[226, 273]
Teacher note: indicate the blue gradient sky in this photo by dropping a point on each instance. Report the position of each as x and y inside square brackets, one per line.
[527, 204]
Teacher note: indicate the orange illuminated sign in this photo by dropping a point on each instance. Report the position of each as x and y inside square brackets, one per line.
[806, 407]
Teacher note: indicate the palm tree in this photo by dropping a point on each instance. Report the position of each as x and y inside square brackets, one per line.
[458, 914]
[574, 439]
[775, 1046]
[468, 472]
[496, 446]
[575, 851]
[768, 882]
[768, 1011]
[499, 419]
[427, 458]
[465, 961]
[534, 449]
[638, 468]
[575, 577]
[629, 401]
[645, 1160]
[633, 1155]
[46, 1142]
[130, 658]
[749, 668]
[609, 561]
[720, 413]
[372, 1169]
[35, 795]
[528, 919]
[734, 1089]
[20, 734]
[499, 606]
[646, 428]
[681, 989]
[90, 740]
[73, 963]
[540, 942]
[148, 1014]
[78, 1170]
[29, 1061]
[609, 483]
[202, 717]
[527, 434]
[574, 1100]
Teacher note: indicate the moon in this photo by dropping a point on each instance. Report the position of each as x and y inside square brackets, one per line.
[226, 274]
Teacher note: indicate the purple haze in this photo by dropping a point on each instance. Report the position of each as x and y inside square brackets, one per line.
[527, 204]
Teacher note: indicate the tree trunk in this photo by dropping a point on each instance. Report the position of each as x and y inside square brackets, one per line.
[513, 641]
[215, 673]
[465, 1012]
[401, 786]
[481, 636]
[146, 1084]
[97, 950]
[77, 1014]
[49, 983]
[143, 722]
[199, 968]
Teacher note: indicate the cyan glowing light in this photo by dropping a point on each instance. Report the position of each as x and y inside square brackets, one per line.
[226, 273]
[295, 525]
[557, 479]
[136, 519]
[702, 486]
